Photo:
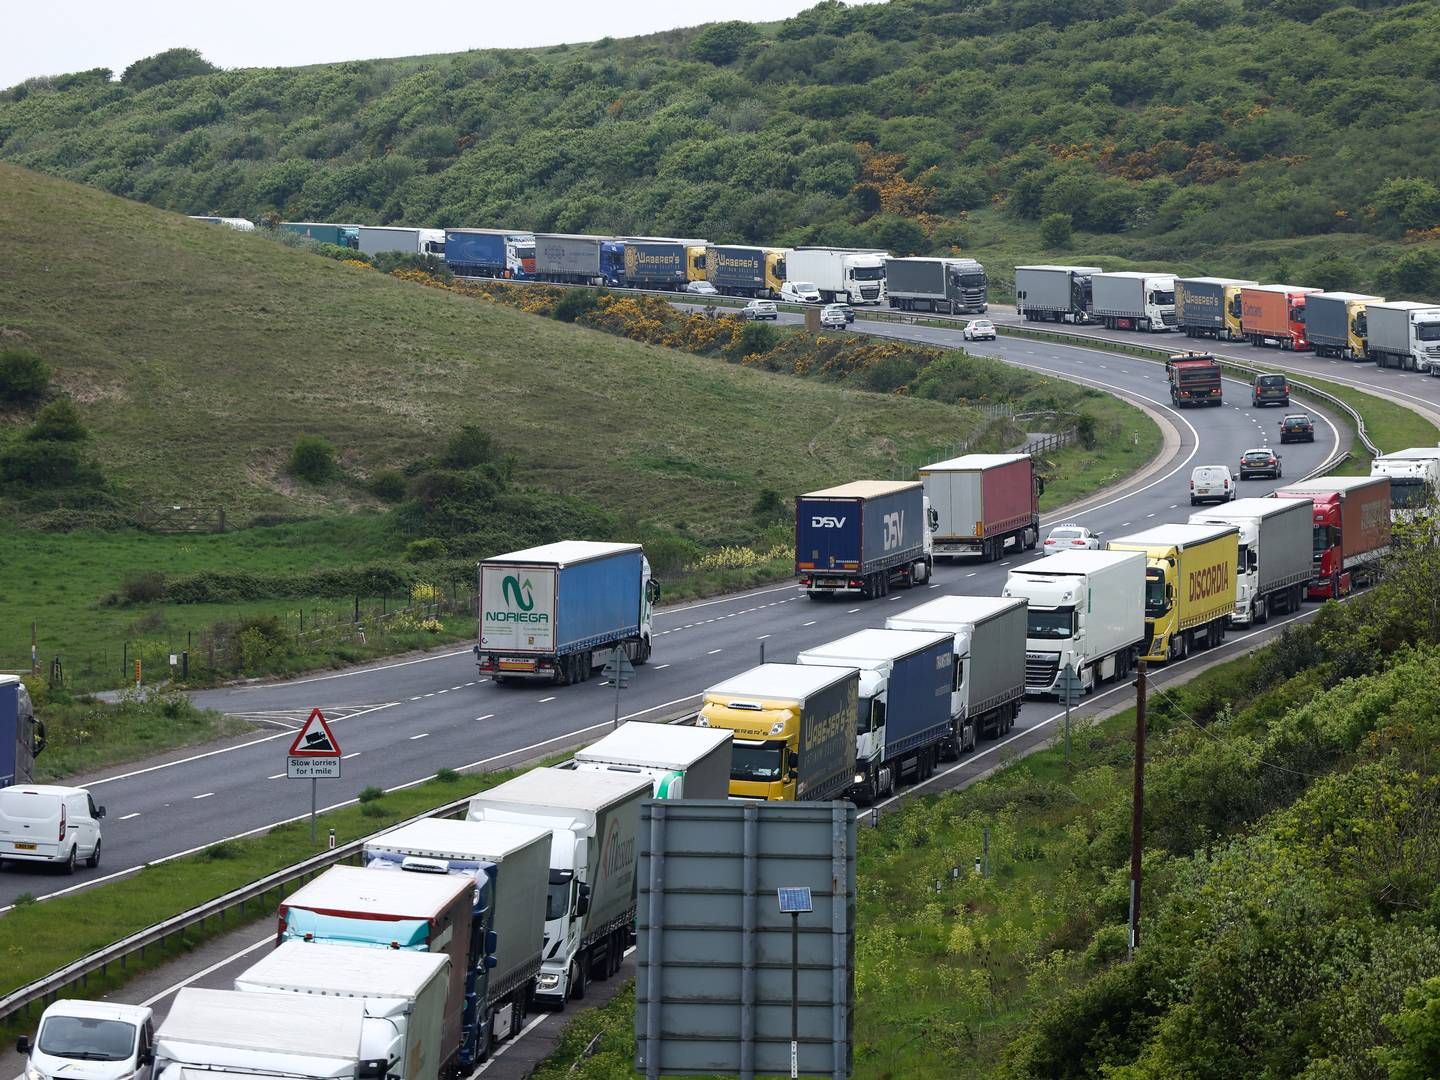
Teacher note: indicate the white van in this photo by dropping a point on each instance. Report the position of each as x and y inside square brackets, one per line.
[1211, 483]
[91, 1040]
[49, 824]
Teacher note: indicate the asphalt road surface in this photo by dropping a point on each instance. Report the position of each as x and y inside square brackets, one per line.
[399, 721]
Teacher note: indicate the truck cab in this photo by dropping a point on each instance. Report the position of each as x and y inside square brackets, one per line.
[1414, 480]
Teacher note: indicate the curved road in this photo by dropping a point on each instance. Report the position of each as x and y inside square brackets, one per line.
[398, 722]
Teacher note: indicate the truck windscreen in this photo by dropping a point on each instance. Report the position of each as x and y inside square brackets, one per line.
[1155, 605]
[1323, 538]
[1057, 623]
[1163, 298]
[756, 761]
[1409, 493]
[1427, 331]
[973, 281]
[869, 273]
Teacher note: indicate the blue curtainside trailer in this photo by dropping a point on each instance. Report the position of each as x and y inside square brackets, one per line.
[856, 537]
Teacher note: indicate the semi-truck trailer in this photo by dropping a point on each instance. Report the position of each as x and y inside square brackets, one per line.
[845, 275]
[1086, 611]
[746, 271]
[351, 906]
[377, 239]
[658, 262]
[1350, 530]
[594, 820]
[903, 721]
[556, 612]
[952, 286]
[988, 644]
[860, 538]
[1209, 307]
[573, 259]
[404, 996]
[681, 762]
[490, 253]
[227, 1035]
[794, 729]
[510, 865]
[1190, 573]
[1273, 563]
[22, 737]
[1403, 334]
[1414, 476]
[1054, 293]
[1133, 300]
[1194, 380]
[1274, 315]
[982, 502]
[1335, 323]
[324, 232]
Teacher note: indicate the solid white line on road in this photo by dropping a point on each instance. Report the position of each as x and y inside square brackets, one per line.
[712, 652]
[127, 817]
[543, 700]
[661, 667]
[487, 716]
[347, 674]
[422, 735]
[206, 795]
[268, 939]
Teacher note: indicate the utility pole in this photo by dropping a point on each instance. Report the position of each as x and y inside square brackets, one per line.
[1137, 811]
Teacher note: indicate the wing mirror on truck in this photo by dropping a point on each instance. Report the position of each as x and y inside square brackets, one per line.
[652, 589]
[582, 901]
[22, 1045]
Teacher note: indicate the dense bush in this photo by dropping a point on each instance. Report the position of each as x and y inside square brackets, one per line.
[24, 376]
[313, 459]
[388, 484]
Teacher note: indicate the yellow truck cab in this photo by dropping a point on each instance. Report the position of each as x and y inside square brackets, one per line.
[1190, 586]
[695, 263]
[794, 730]
[1233, 330]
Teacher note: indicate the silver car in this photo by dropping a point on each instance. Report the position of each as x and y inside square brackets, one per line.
[1070, 538]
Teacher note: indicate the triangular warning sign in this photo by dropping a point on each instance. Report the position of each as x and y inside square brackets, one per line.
[315, 738]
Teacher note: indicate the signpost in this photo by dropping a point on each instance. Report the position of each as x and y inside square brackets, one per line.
[795, 901]
[619, 671]
[315, 754]
[1069, 688]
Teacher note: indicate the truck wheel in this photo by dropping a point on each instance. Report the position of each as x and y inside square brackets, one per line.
[579, 980]
[643, 654]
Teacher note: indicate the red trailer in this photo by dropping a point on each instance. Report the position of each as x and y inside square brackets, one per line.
[1351, 522]
[980, 502]
[1274, 314]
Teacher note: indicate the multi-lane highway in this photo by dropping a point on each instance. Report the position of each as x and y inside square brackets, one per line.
[399, 721]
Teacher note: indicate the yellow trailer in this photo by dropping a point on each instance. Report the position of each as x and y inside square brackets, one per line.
[1190, 585]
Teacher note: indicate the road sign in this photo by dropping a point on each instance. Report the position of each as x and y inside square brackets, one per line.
[626, 668]
[1069, 688]
[315, 739]
[312, 768]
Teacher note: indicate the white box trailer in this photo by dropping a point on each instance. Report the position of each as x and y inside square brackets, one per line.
[1087, 610]
[1403, 334]
[594, 818]
[1133, 300]
[376, 239]
[681, 762]
[989, 635]
[843, 275]
[1274, 559]
[264, 1035]
[403, 994]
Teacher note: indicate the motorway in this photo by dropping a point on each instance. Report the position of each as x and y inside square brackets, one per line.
[398, 722]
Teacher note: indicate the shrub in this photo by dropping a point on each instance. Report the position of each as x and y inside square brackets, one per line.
[388, 484]
[49, 465]
[23, 376]
[468, 447]
[143, 586]
[769, 507]
[313, 459]
[165, 67]
[1087, 431]
[371, 794]
[58, 422]
[1055, 231]
[426, 550]
[373, 809]
[447, 776]
[754, 339]
[575, 303]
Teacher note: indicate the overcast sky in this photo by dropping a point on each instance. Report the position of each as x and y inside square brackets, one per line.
[58, 36]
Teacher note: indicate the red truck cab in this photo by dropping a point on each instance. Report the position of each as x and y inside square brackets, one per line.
[1351, 531]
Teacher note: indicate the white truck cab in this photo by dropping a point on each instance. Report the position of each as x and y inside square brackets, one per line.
[90, 1040]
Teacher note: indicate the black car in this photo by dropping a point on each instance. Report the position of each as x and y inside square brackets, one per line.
[849, 312]
[1258, 464]
[1297, 428]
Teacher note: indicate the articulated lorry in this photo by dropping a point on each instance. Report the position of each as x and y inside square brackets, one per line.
[988, 644]
[1273, 563]
[351, 906]
[403, 995]
[982, 502]
[1086, 612]
[951, 286]
[324, 232]
[843, 275]
[377, 239]
[903, 722]
[1190, 574]
[794, 730]
[556, 612]
[594, 820]
[573, 259]
[746, 271]
[1133, 300]
[227, 1035]
[1404, 334]
[681, 762]
[490, 253]
[510, 866]
[1274, 315]
[862, 537]
[1350, 530]
[1194, 380]
[1054, 293]
[1336, 323]
[22, 737]
[1209, 307]
[1414, 476]
[658, 262]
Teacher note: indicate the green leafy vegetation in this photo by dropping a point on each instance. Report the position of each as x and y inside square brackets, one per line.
[1251, 136]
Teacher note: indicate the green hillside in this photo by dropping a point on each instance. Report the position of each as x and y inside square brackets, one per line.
[1260, 135]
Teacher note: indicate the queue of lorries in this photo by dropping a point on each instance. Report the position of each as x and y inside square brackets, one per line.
[1351, 326]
